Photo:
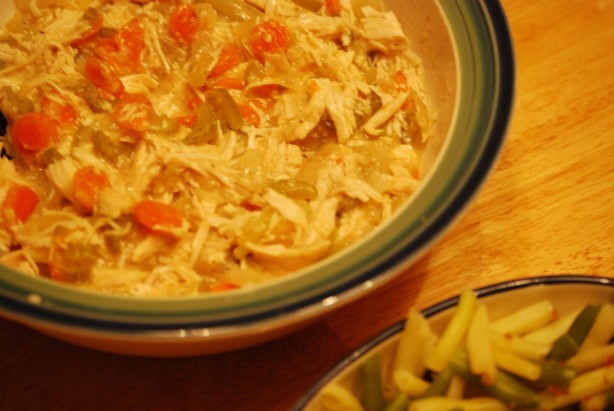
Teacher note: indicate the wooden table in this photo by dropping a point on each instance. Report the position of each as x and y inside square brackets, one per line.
[547, 208]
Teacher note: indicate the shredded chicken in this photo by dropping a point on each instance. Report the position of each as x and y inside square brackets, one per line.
[177, 148]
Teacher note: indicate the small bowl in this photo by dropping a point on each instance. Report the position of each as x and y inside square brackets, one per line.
[469, 68]
[566, 292]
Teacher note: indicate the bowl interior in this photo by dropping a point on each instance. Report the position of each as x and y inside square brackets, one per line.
[567, 294]
[466, 53]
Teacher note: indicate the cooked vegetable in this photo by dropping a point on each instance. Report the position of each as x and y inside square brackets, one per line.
[479, 348]
[451, 404]
[569, 343]
[225, 108]
[602, 330]
[205, 129]
[96, 20]
[34, 132]
[454, 334]
[524, 377]
[295, 189]
[102, 76]
[505, 387]
[337, 398]
[58, 109]
[555, 374]
[20, 202]
[154, 215]
[373, 398]
[408, 361]
[234, 9]
[87, 184]
[268, 38]
[439, 386]
[591, 358]
[133, 112]
[520, 345]
[332, 7]
[230, 56]
[591, 383]
[183, 23]
[399, 403]
[526, 320]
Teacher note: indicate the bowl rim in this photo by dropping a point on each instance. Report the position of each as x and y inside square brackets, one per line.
[494, 20]
[439, 307]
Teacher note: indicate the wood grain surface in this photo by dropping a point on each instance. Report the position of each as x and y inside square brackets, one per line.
[547, 208]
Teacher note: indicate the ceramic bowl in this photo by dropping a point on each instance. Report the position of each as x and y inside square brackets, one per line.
[468, 59]
[566, 292]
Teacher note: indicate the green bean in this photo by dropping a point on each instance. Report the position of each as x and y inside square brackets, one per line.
[557, 374]
[567, 344]
[505, 387]
[373, 397]
[399, 403]
[440, 384]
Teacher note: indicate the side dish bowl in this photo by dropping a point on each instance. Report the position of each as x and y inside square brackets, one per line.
[468, 60]
[567, 293]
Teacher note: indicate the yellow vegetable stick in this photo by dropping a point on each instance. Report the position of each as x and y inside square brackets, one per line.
[409, 383]
[529, 349]
[409, 354]
[591, 383]
[594, 403]
[408, 363]
[602, 330]
[515, 364]
[456, 388]
[337, 398]
[443, 403]
[554, 330]
[454, 333]
[591, 358]
[526, 319]
[479, 346]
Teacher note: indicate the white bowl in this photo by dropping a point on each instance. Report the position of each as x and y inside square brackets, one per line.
[566, 292]
[467, 53]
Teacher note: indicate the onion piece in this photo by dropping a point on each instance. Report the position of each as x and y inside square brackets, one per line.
[235, 9]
